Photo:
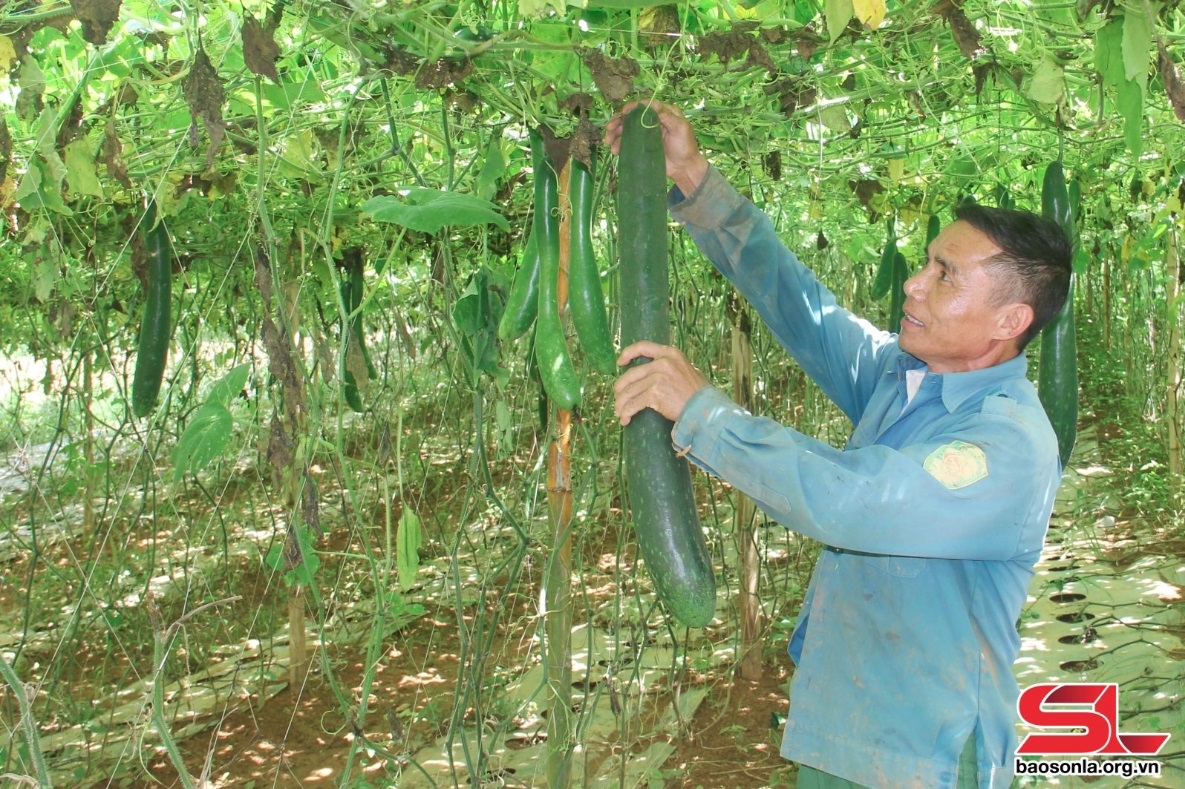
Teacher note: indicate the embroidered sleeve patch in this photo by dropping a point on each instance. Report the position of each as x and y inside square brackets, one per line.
[957, 464]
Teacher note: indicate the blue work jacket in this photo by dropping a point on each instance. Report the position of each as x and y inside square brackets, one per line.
[933, 517]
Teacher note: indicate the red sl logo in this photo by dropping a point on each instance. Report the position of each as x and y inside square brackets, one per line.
[1091, 709]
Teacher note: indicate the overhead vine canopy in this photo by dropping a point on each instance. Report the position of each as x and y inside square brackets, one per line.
[315, 162]
[290, 116]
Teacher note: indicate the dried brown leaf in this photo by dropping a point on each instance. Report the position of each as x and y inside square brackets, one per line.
[659, 25]
[97, 18]
[792, 93]
[443, 73]
[866, 189]
[278, 345]
[312, 504]
[772, 163]
[260, 50]
[981, 72]
[964, 32]
[204, 94]
[1173, 84]
[401, 61]
[614, 77]
[113, 156]
[725, 45]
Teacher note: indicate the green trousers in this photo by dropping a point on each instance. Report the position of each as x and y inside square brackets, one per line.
[810, 778]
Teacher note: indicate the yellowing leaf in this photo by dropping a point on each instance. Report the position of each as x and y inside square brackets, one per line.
[80, 169]
[838, 13]
[1049, 82]
[870, 12]
[7, 53]
[45, 275]
[835, 117]
[6, 190]
[301, 154]
[896, 169]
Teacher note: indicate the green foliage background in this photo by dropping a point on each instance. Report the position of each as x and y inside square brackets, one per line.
[301, 133]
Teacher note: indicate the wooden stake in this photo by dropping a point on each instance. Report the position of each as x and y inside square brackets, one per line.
[748, 603]
[557, 591]
[1173, 399]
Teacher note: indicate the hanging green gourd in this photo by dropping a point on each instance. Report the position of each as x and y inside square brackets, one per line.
[551, 347]
[1057, 375]
[670, 537]
[586, 299]
[897, 302]
[156, 325]
[522, 305]
[884, 270]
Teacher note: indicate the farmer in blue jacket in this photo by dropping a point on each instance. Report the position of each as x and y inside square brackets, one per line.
[932, 516]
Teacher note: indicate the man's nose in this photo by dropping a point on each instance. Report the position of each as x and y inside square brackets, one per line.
[913, 285]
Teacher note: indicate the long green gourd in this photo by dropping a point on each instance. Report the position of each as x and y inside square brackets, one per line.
[1057, 376]
[551, 347]
[670, 538]
[586, 299]
[156, 326]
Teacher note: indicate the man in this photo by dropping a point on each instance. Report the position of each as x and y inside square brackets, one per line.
[932, 516]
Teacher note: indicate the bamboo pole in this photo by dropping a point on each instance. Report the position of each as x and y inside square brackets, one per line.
[88, 417]
[748, 603]
[557, 592]
[1173, 400]
[1106, 261]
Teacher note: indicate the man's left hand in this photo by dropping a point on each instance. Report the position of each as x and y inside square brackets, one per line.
[665, 383]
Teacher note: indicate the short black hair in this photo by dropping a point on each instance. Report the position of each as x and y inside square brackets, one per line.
[1035, 259]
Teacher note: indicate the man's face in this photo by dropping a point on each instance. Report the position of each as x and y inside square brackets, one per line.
[949, 321]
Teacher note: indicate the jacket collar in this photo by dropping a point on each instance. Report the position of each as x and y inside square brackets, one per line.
[957, 387]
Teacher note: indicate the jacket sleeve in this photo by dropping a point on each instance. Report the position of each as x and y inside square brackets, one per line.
[953, 495]
[840, 351]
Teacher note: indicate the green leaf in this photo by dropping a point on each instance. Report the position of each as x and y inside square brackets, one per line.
[1108, 52]
[303, 573]
[80, 169]
[204, 440]
[492, 170]
[229, 386]
[835, 117]
[37, 189]
[428, 210]
[408, 542]
[1049, 82]
[1131, 106]
[838, 13]
[467, 311]
[537, 7]
[1137, 42]
[804, 11]
[287, 95]
[275, 557]
[614, 3]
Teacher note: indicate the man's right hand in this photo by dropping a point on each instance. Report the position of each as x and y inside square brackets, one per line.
[686, 164]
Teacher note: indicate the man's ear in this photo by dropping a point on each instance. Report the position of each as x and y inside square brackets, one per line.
[1014, 320]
